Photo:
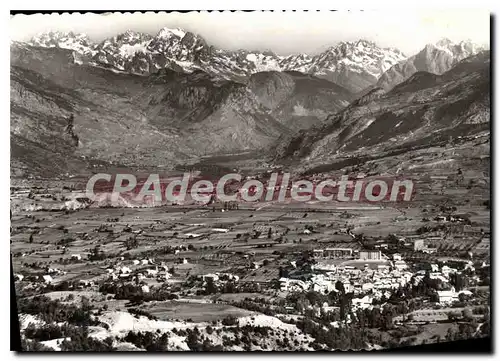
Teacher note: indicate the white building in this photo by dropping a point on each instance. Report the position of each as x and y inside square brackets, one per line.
[125, 270]
[447, 297]
[400, 265]
[323, 286]
[362, 303]
[86, 283]
[288, 284]
[367, 286]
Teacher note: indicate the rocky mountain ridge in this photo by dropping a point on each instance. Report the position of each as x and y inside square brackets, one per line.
[351, 64]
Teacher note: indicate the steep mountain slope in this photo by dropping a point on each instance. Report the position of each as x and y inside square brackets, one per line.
[424, 110]
[298, 100]
[39, 145]
[353, 65]
[214, 116]
[106, 127]
[434, 58]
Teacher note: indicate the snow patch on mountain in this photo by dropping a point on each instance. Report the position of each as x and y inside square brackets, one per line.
[166, 33]
[64, 40]
[130, 50]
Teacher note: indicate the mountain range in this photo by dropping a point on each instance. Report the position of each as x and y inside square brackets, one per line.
[169, 99]
[355, 65]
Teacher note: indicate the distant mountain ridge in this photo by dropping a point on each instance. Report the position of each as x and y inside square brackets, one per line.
[352, 64]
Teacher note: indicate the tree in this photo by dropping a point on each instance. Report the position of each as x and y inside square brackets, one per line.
[345, 307]
[283, 273]
[404, 310]
[387, 318]
[467, 314]
[392, 238]
[229, 321]
[339, 286]
[457, 280]
[210, 288]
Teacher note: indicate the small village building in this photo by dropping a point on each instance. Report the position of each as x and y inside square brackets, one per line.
[447, 297]
[400, 265]
[125, 270]
[370, 255]
[362, 303]
[418, 245]
[85, 283]
[367, 286]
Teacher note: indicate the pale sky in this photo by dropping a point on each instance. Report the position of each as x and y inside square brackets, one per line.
[283, 33]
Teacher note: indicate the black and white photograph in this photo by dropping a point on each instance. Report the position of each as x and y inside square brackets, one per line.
[250, 181]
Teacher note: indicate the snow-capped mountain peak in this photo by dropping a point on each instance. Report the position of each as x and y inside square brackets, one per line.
[435, 58]
[461, 49]
[168, 32]
[360, 56]
[132, 37]
[64, 40]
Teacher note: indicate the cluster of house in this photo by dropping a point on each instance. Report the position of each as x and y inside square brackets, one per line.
[219, 277]
[378, 282]
[447, 297]
[124, 272]
[372, 283]
[50, 274]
